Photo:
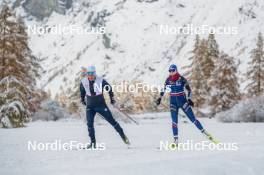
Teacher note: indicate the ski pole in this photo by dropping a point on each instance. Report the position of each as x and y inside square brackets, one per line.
[126, 115]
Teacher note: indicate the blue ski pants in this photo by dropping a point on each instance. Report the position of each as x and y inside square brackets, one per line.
[107, 115]
[184, 105]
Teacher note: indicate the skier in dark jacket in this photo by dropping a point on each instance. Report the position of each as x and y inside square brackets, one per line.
[91, 88]
[178, 100]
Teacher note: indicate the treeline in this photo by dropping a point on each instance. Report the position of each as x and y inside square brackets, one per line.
[213, 75]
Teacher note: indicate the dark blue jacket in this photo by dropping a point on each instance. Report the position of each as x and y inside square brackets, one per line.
[95, 100]
[177, 90]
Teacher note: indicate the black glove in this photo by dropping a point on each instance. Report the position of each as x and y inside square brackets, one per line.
[158, 101]
[112, 101]
[83, 102]
[190, 102]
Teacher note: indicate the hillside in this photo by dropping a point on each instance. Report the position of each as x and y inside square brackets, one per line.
[133, 47]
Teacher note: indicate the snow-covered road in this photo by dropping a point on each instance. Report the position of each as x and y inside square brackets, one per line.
[142, 158]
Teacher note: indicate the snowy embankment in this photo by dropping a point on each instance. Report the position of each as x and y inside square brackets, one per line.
[250, 110]
[142, 158]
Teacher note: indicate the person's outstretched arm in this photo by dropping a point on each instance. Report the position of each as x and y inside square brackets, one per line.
[188, 88]
[164, 89]
[83, 93]
[162, 92]
[109, 89]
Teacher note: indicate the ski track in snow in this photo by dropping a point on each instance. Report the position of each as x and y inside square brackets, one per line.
[142, 158]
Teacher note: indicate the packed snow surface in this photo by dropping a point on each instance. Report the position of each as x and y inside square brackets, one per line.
[143, 157]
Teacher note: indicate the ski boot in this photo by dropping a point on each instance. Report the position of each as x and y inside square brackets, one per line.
[92, 145]
[209, 137]
[175, 143]
[125, 139]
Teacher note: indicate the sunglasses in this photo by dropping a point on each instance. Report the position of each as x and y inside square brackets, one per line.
[90, 73]
[172, 71]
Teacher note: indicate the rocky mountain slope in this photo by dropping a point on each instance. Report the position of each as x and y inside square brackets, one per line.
[133, 46]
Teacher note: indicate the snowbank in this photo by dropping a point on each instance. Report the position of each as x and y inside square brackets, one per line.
[13, 114]
[51, 110]
[250, 110]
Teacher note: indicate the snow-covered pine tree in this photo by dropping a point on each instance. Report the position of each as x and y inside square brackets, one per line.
[204, 61]
[188, 68]
[255, 73]
[224, 84]
[18, 71]
[213, 55]
[209, 55]
[213, 50]
[194, 73]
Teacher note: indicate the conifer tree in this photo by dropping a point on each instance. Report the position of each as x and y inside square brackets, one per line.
[255, 74]
[213, 50]
[18, 71]
[194, 73]
[205, 56]
[206, 62]
[224, 84]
